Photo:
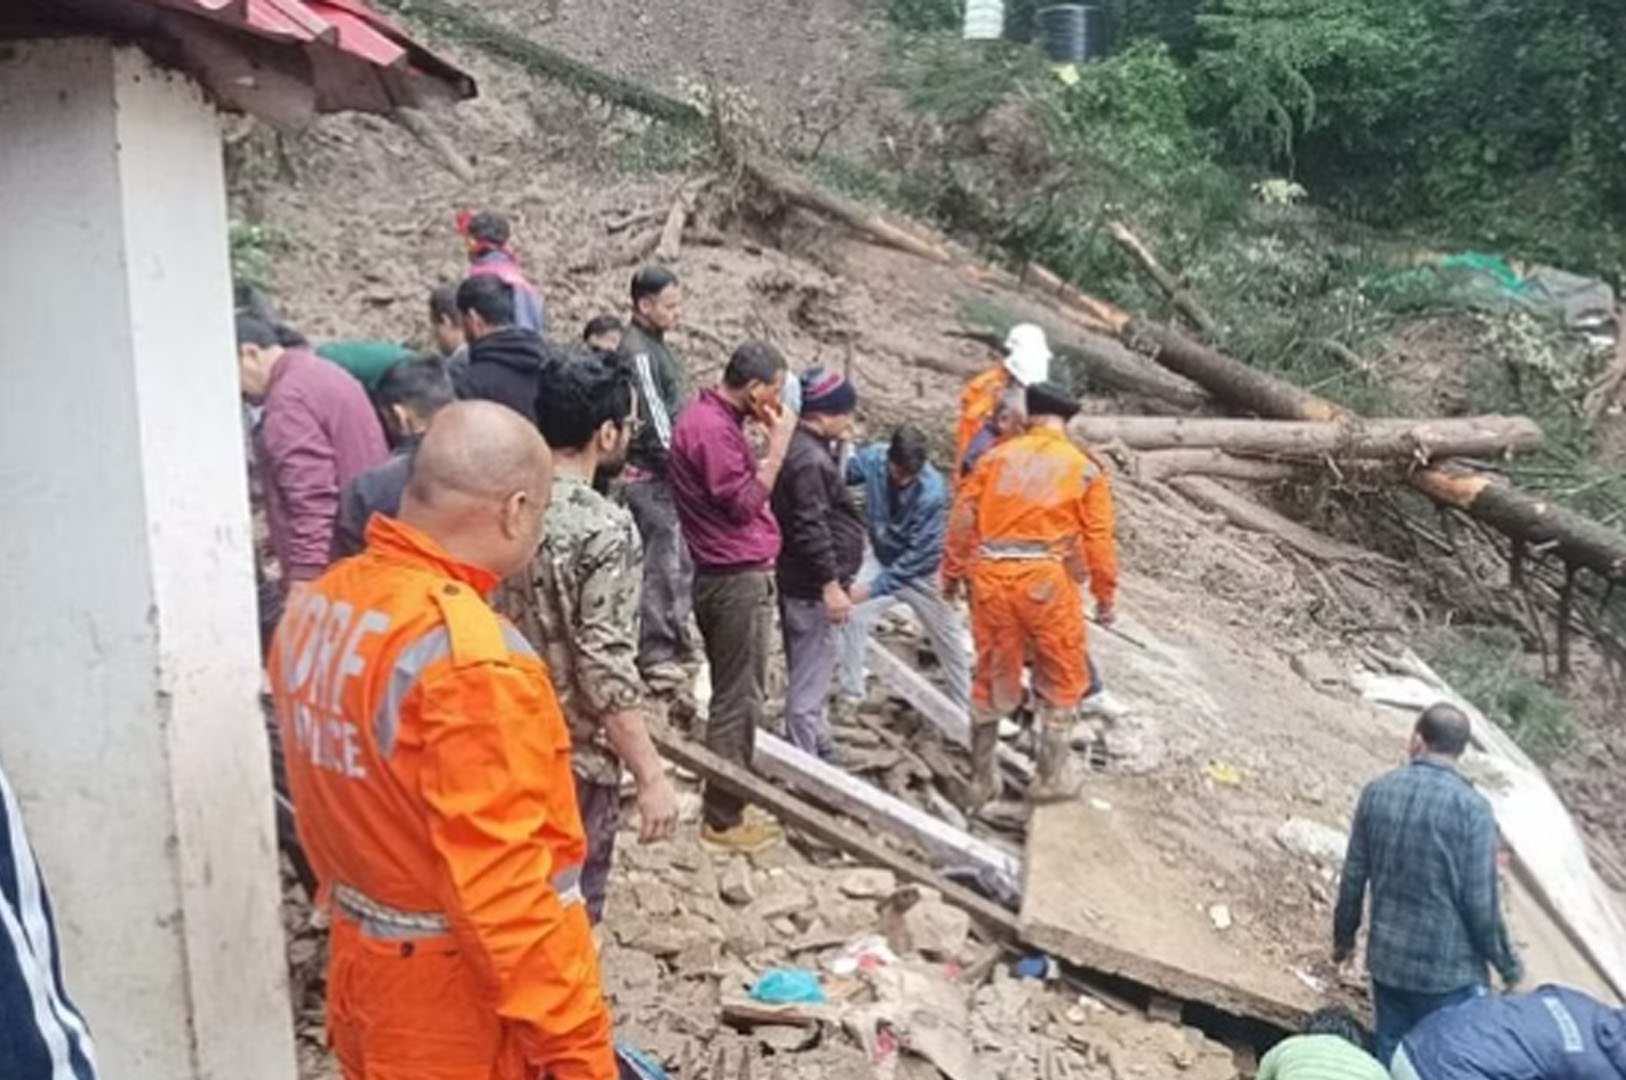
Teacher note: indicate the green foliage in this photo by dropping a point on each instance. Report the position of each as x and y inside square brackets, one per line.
[1488, 667]
[253, 249]
[659, 148]
[925, 16]
[1496, 122]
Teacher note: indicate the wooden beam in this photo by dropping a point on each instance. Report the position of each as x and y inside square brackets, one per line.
[779, 760]
[999, 924]
[948, 718]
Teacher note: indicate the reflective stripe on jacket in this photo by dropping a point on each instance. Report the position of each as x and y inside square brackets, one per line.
[1037, 489]
[430, 767]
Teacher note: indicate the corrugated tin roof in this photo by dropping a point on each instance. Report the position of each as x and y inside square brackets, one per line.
[282, 60]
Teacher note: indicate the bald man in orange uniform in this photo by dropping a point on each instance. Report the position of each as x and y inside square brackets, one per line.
[430, 768]
[1033, 519]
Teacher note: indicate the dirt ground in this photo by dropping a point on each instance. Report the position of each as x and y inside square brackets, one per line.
[1257, 734]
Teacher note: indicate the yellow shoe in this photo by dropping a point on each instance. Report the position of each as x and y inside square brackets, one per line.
[746, 838]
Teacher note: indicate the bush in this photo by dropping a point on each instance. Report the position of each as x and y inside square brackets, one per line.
[1488, 667]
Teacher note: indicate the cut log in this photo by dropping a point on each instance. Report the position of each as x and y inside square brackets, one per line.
[943, 843]
[1529, 519]
[1526, 518]
[670, 244]
[1247, 514]
[1350, 437]
[1000, 924]
[427, 132]
[1162, 464]
[1188, 305]
[1231, 381]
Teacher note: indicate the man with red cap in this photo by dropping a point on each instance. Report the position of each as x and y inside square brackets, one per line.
[491, 252]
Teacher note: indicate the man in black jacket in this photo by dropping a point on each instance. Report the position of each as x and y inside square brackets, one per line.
[663, 640]
[505, 360]
[407, 397]
[822, 550]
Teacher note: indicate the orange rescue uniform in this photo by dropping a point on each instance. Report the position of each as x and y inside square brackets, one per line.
[1031, 517]
[978, 404]
[430, 769]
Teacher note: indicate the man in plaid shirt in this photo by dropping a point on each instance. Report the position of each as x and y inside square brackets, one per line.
[1426, 842]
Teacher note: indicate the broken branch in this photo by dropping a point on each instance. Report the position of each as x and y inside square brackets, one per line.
[1188, 305]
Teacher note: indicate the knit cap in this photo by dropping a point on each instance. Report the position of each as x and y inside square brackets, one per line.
[827, 392]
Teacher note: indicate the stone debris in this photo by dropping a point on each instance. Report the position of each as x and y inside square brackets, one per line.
[1312, 840]
[737, 885]
[867, 883]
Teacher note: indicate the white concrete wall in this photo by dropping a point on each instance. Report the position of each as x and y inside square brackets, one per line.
[128, 657]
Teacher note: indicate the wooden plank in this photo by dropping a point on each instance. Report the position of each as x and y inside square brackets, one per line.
[779, 760]
[999, 924]
[931, 703]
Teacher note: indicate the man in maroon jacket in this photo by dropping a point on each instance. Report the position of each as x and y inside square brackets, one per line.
[316, 432]
[722, 495]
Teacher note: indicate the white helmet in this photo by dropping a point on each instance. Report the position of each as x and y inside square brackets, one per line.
[1027, 354]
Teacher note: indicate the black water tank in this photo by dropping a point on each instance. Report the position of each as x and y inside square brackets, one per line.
[1071, 33]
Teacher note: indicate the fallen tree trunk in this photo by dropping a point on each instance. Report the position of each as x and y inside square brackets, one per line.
[1247, 514]
[1350, 437]
[1231, 381]
[1529, 519]
[1206, 461]
[1538, 522]
[427, 132]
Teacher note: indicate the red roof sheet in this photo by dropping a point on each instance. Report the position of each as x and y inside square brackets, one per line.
[282, 60]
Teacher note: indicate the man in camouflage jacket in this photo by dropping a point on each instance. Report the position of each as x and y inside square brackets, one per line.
[579, 607]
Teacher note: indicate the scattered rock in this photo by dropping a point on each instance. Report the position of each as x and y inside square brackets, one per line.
[698, 960]
[868, 883]
[656, 900]
[1220, 916]
[1164, 1010]
[737, 884]
[671, 936]
[935, 930]
[782, 899]
[1320, 671]
[1313, 840]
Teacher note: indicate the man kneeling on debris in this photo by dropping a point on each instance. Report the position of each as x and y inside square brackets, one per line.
[1334, 1046]
[1551, 1033]
[430, 768]
[580, 609]
[906, 504]
[1033, 515]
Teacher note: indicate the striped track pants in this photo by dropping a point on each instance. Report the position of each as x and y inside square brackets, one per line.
[42, 1035]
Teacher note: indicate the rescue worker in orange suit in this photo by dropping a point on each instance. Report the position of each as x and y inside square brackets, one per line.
[1033, 520]
[430, 769]
[1027, 361]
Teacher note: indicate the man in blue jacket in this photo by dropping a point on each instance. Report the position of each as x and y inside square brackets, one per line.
[1551, 1033]
[906, 505]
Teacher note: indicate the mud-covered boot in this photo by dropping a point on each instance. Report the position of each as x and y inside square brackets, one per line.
[985, 784]
[1057, 777]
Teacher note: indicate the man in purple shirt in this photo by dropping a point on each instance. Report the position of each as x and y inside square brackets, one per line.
[317, 432]
[722, 493]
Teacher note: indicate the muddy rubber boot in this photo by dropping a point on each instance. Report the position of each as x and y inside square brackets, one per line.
[985, 783]
[1057, 777]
